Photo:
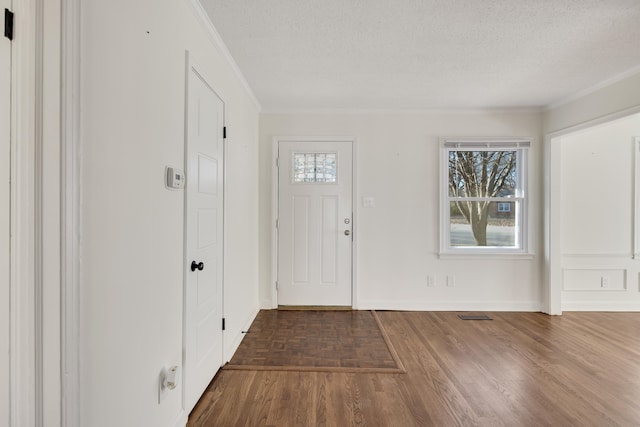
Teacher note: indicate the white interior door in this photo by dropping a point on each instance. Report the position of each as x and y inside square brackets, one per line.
[204, 234]
[5, 212]
[315, 223]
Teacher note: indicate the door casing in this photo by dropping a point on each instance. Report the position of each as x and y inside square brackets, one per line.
[5, 224]
[274, 210]
[192, 68]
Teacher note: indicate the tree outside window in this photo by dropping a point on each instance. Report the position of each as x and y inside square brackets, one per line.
[485, 196]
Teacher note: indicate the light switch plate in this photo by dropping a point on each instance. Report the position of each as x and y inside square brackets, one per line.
[368, 202]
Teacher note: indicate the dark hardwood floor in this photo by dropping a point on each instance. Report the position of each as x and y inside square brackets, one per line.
[520, 369]
[316, 340]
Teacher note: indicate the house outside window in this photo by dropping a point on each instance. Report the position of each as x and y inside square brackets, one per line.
[484, 196]
[504, 207]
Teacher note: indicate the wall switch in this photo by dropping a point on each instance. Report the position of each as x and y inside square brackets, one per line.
[368, 202]
[431, 281]
[451, 281]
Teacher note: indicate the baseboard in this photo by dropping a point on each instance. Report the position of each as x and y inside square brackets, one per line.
[240, 336]
[601, 306]
[267, 304]
[181, 419]
[528, 306]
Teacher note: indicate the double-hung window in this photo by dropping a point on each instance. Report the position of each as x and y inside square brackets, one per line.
[484, 196]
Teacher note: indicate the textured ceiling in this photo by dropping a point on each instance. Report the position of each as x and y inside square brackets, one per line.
[426, 54]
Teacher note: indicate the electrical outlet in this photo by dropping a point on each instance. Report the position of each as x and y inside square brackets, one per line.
[451, 281]
[431, 281]
[604, 281]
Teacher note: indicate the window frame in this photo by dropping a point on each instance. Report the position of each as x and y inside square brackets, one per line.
[521, 199]
[501, 207]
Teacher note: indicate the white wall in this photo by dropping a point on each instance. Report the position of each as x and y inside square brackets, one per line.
[614, 98]
[132, 101]
[597, 193]
[619, 99]
[397, 241]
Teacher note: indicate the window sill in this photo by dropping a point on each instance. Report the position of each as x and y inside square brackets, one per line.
[487, 255]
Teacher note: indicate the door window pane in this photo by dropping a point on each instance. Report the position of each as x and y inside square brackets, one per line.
[314, 167]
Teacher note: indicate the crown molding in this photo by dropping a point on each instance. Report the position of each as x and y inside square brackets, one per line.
[204, 19]
[588, 91]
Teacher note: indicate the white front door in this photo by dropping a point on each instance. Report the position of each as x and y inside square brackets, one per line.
[315, 223]
[203, 352]
[5, 212]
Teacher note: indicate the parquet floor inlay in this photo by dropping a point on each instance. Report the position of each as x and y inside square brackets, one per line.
[335, 341]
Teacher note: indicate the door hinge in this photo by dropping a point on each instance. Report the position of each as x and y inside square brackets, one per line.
[276, 285]
[8, 24]
[223, 324]
[277, 162]
[224, 132]
[277, 224]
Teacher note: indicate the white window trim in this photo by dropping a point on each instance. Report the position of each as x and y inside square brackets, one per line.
[448, 251]
[636, 225]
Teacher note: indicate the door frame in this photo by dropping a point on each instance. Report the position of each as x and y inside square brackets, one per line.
[192, 64]
[275, 202]
[552, 296]
[36, 276]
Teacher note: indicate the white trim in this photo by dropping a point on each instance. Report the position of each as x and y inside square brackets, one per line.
[38, 211]
[597, 255]
[355, 223]
[71, 219]
[413, 305]
[25, 380]
[636, 201]
[588, 91]
[274, 221]
[624, 271]
[194, 67]
[494, 256]
[608, 118]
[553, 227]
[400, 111]
[601, 306]
[206, 22]
[521, 144]
[487, 144]
[181, 419]
[274, 208]
[265, 304]
[553, 205]
[240, 336]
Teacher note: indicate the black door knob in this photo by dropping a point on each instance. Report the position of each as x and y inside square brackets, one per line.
[197, 266]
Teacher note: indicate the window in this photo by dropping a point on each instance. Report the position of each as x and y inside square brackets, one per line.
[314, 167]
[504, 207]
[484, 196]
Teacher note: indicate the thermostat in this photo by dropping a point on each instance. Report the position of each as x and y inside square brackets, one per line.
[174, 178]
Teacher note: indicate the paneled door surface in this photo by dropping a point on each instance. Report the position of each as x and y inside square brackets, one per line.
[204, 232]
[5, 213]
[315, 223]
